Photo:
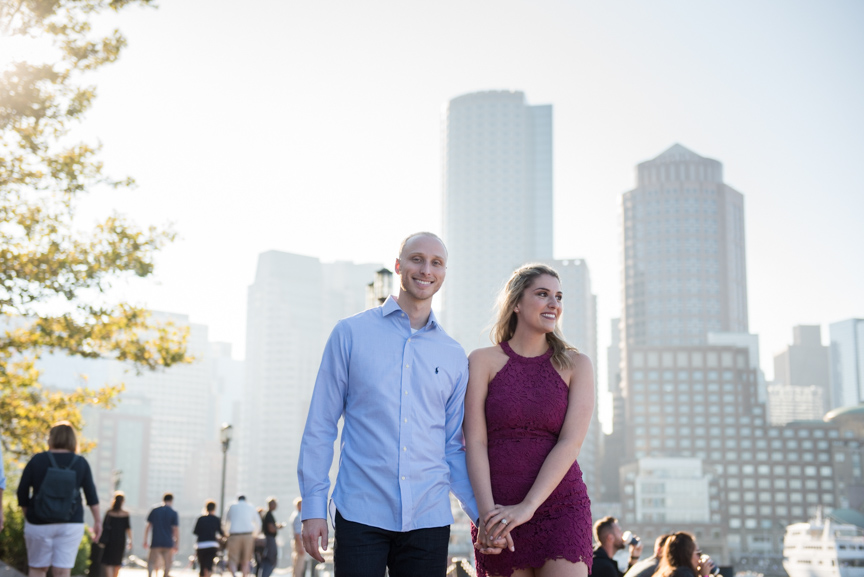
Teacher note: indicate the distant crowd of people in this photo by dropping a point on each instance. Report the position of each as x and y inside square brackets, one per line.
[247, 536]
[675, 554]
[49, 495]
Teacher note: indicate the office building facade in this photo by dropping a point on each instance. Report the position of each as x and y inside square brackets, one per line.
[285, 338]
[497, 192]
[846, 363]
[684, 272]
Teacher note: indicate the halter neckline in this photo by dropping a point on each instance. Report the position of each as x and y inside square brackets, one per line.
[505, 346]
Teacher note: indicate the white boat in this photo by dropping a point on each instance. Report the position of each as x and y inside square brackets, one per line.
[823, 548]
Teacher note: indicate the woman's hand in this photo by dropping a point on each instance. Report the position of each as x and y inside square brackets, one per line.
[488, 546]
[502, 519]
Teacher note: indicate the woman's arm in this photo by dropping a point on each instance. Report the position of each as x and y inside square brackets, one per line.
[474, 429]
[580, 408]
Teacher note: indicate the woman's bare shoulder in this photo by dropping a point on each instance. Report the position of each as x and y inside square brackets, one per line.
[486, 355]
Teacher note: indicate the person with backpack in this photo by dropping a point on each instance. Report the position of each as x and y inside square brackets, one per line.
[49, 495]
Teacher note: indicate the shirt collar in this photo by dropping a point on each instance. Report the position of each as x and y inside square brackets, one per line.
[391, 305]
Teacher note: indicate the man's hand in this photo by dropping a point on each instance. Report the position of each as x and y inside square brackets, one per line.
[314, 536]
[491, 547]
[635, 552]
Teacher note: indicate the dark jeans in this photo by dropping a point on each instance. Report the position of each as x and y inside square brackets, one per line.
[269, 557]
[363, 551]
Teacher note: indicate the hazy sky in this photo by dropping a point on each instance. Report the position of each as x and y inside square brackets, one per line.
[313, 127]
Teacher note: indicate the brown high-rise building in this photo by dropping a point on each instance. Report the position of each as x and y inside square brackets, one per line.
[695, 449]
[684, 271]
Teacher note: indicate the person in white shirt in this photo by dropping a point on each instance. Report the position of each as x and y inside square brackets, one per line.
[243, 522]
[299, 554]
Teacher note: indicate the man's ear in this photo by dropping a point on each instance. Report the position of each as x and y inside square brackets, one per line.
[396, 266]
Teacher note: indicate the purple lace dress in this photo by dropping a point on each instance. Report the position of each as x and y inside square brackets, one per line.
[525, 409]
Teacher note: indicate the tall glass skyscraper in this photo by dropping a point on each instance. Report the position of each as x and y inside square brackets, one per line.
[497, 177]
[847, 362]
[684, 271]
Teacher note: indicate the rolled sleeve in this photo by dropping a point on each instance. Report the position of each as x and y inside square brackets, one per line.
[319, 435]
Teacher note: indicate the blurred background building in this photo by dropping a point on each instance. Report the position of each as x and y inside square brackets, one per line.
[497, 190]
[847, 362]
[293, 305]
[693, 416]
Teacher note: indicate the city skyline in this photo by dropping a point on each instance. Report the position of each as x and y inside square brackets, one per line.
[351, 131]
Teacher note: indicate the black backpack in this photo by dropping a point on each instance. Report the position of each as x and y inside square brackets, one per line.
[57, 496]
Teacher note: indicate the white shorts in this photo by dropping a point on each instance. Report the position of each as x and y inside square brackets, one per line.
[53, 545]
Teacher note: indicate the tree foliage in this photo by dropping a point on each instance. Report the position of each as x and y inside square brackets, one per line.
[54, 277]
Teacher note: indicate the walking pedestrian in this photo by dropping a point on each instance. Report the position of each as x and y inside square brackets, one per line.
[206, 528]
[243, 522]
[270, 529]
[398, 380]
[298, 556]
[49, 495]
[116, 536]
[165, 542]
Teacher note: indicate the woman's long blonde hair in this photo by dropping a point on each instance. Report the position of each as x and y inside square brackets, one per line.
[505, 323]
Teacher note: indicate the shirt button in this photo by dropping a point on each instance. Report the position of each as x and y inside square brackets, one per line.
[404, 448]
[403, 478]
[406, 420]
[406, 392]
[407, 366]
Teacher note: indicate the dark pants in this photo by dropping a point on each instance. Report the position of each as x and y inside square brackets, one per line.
[363, 551]
[269, 557]
[205, 558]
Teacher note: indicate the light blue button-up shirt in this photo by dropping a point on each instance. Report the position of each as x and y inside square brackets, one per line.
[402, 397]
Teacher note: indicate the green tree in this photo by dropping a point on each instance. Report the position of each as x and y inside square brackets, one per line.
[54, 277]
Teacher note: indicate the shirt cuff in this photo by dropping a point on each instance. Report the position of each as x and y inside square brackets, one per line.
[314, 509]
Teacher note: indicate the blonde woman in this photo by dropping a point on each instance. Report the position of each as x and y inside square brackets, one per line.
[529, 402]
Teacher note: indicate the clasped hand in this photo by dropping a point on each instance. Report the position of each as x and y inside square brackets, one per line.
[500, 520]
[489, 546]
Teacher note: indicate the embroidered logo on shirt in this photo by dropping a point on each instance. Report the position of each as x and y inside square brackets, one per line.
[436, 370]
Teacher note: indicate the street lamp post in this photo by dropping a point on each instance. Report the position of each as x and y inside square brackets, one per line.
[225, 435]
